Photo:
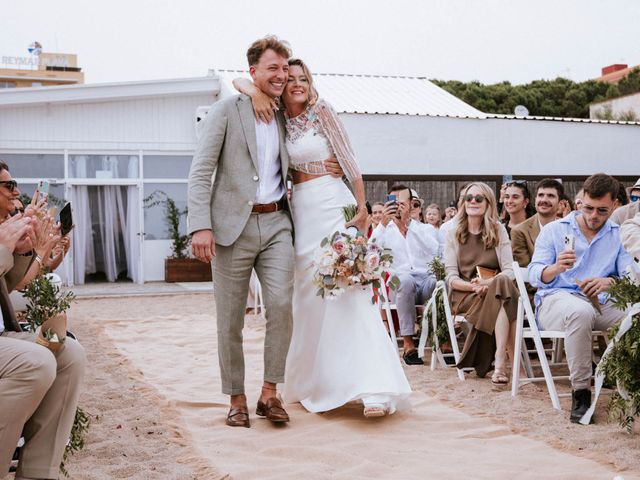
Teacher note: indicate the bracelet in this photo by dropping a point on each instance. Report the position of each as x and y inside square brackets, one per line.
[39, 260]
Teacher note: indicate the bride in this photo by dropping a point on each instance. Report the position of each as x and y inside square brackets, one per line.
[340, 351]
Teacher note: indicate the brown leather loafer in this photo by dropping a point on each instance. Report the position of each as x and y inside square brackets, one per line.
[273, 410]
[238, 417]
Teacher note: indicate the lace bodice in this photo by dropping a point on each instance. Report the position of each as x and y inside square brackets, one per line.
[314, 136]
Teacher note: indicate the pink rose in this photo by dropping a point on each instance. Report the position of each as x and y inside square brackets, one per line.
[372, 260]
[339, 246]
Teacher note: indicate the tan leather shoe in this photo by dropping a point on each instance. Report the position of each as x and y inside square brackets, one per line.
[238, 417]
[273, 410]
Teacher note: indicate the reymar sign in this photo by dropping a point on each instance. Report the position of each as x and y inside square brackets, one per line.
[50, 60]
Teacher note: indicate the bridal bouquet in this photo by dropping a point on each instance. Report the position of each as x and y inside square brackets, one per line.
[344, 260]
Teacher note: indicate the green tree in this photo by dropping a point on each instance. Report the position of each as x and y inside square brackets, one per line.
[560, 97]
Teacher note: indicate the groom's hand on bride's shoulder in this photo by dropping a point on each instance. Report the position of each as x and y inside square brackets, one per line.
[203, 245]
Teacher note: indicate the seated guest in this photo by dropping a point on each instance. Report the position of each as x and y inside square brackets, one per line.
[433, 215]
[450, 223]
[572, 282]
[565, 206]
[413, 246]
[517, 204]
[523, 236]
[630, 237]
[416, 209]
[477, 245]
[577, 201]
[450, 212]
[629, 210]
[39, 389]
[376, 213]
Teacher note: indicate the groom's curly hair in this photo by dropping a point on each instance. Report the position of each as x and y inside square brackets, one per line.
[257, 48]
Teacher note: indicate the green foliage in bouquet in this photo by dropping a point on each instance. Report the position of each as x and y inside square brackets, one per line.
[349, 212]
[45, 301]
[622, 366]
[180, 243]
[436, 267]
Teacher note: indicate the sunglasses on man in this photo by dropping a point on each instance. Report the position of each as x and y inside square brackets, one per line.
[10, 184]
[602, 211]
[634, 198]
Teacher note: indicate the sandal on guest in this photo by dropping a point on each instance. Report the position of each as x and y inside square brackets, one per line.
[373, 410]
[499, 378]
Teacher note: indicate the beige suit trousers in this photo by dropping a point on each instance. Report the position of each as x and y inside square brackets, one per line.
[39, 394]
[266, 245]
[575, 315]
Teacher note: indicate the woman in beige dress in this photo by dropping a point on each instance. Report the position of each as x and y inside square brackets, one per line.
[488, 303]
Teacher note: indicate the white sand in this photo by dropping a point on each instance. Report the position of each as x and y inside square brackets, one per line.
[169, 350]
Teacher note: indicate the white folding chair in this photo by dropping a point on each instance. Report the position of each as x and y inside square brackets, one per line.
[525, 310]
[385, 304]
[431, 313]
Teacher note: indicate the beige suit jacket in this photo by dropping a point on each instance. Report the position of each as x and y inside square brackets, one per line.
[12, 270]
[523, 240]
[630, 236]
[223, 180]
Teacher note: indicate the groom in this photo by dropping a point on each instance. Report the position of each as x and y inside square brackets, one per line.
[242, 222]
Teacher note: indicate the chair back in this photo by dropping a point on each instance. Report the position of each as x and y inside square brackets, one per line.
[524, 296]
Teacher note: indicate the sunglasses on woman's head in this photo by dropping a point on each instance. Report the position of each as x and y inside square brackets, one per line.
[477, 198]
[10, 184]
[519, 183]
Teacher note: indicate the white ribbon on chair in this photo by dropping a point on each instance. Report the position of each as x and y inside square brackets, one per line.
[424, 335]
[625, 326]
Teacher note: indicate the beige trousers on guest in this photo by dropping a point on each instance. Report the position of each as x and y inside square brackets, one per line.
[266, 245]
[575, 315]
[39, 394]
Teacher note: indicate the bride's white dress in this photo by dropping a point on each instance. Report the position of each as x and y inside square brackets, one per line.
[340, 350]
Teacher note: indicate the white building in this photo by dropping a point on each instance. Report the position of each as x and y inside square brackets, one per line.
[627, 106]
[108, 146]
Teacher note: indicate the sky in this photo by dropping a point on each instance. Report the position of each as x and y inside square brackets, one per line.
[485, 40]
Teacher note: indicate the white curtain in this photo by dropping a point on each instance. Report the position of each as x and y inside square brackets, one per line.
[84, 259]
[111, 220]
[118, 221]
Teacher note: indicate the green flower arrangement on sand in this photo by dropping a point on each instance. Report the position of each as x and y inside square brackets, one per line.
[621, 366]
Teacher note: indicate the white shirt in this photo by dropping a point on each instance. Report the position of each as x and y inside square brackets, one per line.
[442, 233]
[413, 253]
[270, 185]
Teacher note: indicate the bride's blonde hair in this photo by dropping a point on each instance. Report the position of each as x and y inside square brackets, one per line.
[313, 93]
[489, 228]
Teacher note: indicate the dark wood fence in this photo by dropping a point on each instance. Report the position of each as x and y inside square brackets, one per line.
[444, 190]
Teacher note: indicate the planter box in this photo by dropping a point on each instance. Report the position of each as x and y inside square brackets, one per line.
[186, 270]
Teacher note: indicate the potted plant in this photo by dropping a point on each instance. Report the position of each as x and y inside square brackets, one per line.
[179, 267]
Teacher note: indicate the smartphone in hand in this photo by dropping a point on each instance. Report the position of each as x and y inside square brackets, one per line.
[43, 188]
[66, 219]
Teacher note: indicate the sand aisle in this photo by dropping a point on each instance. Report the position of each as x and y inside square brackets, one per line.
[177, 355]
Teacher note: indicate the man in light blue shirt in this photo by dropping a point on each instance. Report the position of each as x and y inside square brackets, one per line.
[574, 262]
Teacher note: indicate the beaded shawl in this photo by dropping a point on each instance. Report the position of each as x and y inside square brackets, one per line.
[314, 136]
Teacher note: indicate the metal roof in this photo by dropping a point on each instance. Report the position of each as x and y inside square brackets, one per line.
[98, 92]
[559, 119]
[375, 94]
